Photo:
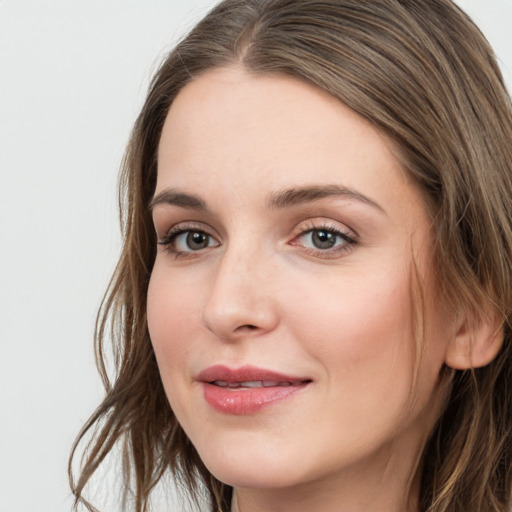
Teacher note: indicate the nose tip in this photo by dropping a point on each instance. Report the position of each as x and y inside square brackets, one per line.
[240, 304]
[232, 317]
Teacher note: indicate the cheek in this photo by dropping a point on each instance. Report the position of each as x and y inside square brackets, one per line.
[360, 331]
[360, 316]
[170, 306]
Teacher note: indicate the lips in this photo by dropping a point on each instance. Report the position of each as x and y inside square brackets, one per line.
[247, 390]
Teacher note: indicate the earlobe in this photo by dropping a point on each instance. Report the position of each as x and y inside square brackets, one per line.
[476, 343]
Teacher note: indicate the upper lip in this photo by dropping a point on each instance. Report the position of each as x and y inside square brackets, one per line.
[245, 374]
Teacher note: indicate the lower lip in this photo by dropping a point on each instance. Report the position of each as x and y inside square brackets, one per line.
[247, 400]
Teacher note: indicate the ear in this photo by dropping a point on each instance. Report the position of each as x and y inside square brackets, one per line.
[477, 341]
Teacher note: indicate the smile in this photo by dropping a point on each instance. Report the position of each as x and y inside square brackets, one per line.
[247, 390]
[252, 384]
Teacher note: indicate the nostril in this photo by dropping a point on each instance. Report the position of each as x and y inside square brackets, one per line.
[248, 327]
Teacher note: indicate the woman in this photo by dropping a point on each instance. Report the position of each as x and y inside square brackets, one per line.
[312, 309]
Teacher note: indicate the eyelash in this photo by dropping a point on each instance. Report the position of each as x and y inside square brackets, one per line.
[349, 241]
[180, 229]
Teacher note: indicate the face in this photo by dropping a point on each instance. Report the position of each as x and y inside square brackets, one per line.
[280, 305]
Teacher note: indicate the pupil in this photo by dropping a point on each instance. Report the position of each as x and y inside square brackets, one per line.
[197, 240]
[323, 239]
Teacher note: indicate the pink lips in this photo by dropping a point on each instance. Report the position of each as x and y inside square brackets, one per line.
[247, 390]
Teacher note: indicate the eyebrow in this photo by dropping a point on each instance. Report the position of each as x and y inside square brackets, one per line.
[174, 197]
[276, 200]
[300, 195]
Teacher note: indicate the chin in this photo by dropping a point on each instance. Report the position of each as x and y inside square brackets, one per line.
[250, 467]
[255, 477]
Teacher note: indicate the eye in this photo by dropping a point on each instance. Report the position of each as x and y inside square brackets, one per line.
[182, 240]
[324, 242]
[321, 239]
[192, 241]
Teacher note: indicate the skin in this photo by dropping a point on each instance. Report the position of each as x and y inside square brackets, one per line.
[261, 293]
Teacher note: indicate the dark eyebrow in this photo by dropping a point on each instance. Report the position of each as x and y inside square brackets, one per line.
[282, 199]
[177, 198]
[300, 195]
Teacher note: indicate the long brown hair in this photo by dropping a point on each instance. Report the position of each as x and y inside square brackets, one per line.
[422, 73]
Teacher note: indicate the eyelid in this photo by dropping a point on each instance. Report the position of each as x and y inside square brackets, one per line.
[187, 225]
[348, 236]
[184, 227]
[318, 224]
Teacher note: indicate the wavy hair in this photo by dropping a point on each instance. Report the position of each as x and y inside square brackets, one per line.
[425, 76]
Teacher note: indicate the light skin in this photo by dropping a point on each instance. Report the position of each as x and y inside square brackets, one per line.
[289, 238]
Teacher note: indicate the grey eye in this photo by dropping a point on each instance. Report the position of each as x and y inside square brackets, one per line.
[323, 239]
[190, 241]
[197, 240]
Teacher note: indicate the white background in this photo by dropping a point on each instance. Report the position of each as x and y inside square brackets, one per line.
[73, 74]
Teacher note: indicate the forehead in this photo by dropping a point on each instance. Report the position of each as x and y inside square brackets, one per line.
[266, 132]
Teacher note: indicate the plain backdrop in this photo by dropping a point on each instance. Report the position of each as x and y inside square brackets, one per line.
[73, 74]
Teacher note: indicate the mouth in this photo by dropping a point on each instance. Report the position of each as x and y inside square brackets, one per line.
[247, 390]
[247, 377]
[251, 384]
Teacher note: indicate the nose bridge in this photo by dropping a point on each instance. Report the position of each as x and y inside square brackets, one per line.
[240, 299]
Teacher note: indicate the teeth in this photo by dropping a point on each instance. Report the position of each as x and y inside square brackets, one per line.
[250, 384]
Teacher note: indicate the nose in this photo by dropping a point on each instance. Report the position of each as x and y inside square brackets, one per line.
[241, 301]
